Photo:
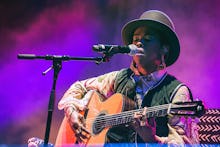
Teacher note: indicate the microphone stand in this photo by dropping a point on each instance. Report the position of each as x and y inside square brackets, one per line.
[57, 65]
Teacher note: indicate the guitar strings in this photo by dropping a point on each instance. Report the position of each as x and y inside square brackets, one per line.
[126, 113]
[112, 119]
[125, 116]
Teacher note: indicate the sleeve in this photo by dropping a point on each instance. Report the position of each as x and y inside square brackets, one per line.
[77, 96]
[181, 129]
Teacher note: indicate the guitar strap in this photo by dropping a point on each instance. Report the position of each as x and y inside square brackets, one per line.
[177, 88]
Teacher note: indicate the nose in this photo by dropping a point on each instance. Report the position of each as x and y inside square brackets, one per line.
[139, 44]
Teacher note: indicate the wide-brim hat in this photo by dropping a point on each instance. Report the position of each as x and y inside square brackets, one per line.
[161, 22]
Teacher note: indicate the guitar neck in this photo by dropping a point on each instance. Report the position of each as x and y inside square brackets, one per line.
[128, 116]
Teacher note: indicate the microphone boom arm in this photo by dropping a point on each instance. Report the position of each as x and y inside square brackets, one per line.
[57, 65]
[58, 57]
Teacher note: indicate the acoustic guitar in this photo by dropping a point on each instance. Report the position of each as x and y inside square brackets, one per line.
[101, 115]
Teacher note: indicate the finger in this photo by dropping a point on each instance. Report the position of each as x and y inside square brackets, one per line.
[85, 130]
[135, 123]
[142, 123]
[78, 138]
[144, 117]
[32, 139]
[82, 139]
[77, 132]
[137, 115]
[32, 144]
[35, 140]
[82, 132]
[144, 111]
[81, 136]
[82, 120]
[74, 116]
[84, 135]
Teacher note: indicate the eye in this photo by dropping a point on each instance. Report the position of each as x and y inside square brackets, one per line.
[148, 37]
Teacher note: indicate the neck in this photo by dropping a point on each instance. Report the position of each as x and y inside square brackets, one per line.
[146, 69]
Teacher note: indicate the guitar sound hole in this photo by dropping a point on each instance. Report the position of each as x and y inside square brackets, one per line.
[99, 124]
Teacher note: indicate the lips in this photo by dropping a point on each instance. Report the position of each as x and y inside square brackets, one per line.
[140, 51]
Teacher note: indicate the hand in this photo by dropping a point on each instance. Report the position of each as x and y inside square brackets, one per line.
[37, 142]
[146, 130]
[77, 123]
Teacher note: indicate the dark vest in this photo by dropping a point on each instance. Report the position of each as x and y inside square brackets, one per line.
[160, 94]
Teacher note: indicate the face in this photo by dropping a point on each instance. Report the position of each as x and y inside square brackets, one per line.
[149, 41]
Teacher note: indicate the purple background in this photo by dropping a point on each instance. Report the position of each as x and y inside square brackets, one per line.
[71, 28]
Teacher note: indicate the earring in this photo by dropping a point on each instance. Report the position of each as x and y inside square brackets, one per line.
[163, 64]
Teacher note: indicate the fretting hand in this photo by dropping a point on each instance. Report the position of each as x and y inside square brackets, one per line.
[145, 128]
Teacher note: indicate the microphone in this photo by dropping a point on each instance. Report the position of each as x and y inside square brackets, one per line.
[114, 49]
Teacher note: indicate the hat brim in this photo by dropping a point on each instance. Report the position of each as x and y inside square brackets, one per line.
[169, 34]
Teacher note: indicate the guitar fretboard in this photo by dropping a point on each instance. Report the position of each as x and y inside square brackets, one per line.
[127, 116]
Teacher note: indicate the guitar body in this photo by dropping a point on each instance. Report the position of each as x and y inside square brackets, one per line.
[101, 115]
[96, 108]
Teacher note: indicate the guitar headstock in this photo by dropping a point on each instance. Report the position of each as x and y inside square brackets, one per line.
[195, 108]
